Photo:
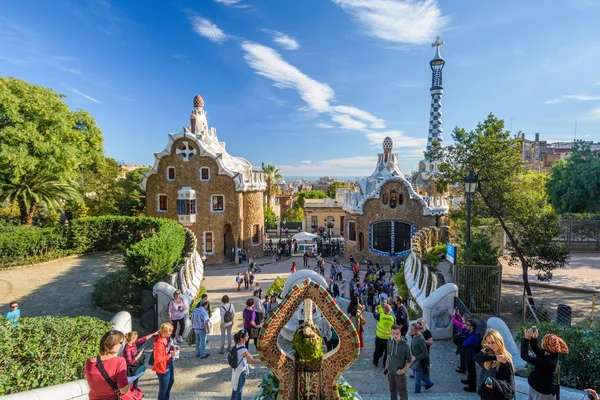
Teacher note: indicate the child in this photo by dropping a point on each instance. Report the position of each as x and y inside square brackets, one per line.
[257, 287]
[251, 280]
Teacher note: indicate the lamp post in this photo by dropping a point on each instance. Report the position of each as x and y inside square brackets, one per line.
[470, 188]
[329, 223]
[281, 225]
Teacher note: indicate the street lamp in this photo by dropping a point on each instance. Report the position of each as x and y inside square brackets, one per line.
[329, 223]
[470, 189]
[281, 225]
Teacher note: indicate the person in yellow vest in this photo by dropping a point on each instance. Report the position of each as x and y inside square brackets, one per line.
[384, 331]
[373, 277]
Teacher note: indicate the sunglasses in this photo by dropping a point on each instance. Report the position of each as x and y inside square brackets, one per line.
[14, 306]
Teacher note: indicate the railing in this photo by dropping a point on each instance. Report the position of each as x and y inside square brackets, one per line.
[580, 234]
[479, 287]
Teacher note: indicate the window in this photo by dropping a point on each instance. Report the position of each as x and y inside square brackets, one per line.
[208, 242]
[384, 199]
[352, 231]
[393, 199]
[186, 207]
[204, 174]
[218, 203]
[314, 223]
[401, 236]
[171, 173]
[256, 234]
[400, 199]
[161, 203]
[361, 241]
[382, 236]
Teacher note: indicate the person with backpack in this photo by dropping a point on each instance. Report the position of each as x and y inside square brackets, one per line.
[238, 359]
[239, 280]
[473, 346]
[227, 316]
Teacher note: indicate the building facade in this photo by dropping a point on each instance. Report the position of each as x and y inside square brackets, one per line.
[326, 213]
[218, 196]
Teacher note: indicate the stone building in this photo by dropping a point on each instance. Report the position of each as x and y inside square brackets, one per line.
[218, 196]
[327, 213]
[386, 212]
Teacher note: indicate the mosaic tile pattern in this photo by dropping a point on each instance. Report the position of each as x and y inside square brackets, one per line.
[334, 363]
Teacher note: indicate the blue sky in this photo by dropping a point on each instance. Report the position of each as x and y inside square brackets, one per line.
[311, 86]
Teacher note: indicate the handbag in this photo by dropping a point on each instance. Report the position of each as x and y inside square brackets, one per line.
[253, 332]
[133, 394]
[363, 320]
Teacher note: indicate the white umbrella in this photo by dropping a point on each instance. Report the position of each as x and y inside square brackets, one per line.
[305, 236]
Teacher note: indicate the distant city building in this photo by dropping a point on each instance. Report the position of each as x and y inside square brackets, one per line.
[219, 197]
[128, 168]
[327, 213]
[540, 155]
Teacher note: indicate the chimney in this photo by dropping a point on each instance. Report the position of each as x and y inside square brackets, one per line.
[523, 135]
[537, 137]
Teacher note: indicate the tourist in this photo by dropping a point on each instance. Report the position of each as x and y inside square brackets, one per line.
[401, 316]
[458, 339]
[305, 259]
[246, 278]
[383, 297]
[544, 363]
[201, 326]
[258, 306]
[133, 357]
[421, 363]
[472, 345]
[274, 259]
[383, 332]
[497, 378]
[249, 316]
[163, 354]
[244, 254]
[293, 269]
[332, 272]
[208, 308]
[257, 288]
[397, 363]
[338, 271]
[240, 373]
[232, 254]
[250, 261]
[250, 280]
[239, 254]
[334, 289]
[426, 335]
[14, 314]
[115, 367]
[592, 395]
[227, 317]
[177, 308]
[343, 288]
[239, 280]
[355, 311]
[271, 306]
[371, 298]
[324, 330]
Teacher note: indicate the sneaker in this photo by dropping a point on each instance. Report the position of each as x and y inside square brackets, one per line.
[180, 340]
[206, 356]
[375, 363]
[427, 387]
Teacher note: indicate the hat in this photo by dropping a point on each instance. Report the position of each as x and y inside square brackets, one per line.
[553, 344]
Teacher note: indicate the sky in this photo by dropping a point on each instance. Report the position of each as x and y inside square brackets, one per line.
[312, 86]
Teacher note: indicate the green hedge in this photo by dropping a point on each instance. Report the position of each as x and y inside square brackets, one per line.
[580, 369]
[25, 244]
[45, 351]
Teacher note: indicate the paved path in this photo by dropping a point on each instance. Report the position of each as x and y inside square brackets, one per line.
[195, 378]
[61, 287]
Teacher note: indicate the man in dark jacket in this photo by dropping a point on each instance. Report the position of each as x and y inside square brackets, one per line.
[334, 289]
[401, 316]
[473, 346]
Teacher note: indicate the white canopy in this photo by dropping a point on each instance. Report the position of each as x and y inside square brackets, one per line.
[304, 236]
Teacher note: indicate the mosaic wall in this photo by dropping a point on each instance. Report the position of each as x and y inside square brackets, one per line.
[334, 363]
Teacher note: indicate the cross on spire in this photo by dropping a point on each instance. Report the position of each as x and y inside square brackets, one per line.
[437, 43]
[187, 151]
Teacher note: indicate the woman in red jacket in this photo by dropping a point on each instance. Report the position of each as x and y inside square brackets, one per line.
[163, 355]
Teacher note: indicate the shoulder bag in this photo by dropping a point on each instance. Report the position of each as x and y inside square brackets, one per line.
[130, 395]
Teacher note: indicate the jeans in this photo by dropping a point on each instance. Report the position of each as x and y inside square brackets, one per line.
[226, 330]
[200, 342]
[419, 376]
[237, 394]
[397, 386]
[165, 383]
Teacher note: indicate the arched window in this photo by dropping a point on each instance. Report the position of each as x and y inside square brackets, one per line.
[401, 236]
[361, 241]
[384, 199]
[352, 231]
[393, 199]
[382, 236]
[400, 199]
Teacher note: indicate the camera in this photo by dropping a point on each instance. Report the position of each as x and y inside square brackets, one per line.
[488, 381]
[533, 328]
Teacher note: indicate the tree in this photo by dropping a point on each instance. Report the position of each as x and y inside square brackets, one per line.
[309, 194]
[131, 203]
[331, 189]
[103, 187]
[293, 214]
[270, 217]
[40, 190]
[43, 144]
[272, 175]
[574, 185]
[513, 195]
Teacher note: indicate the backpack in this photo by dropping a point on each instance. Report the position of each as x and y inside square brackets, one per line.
[459, 338]
[228, 316]
[232, 357]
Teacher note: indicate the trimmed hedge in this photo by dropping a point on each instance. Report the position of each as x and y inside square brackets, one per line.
[26, 244]
[45, 351]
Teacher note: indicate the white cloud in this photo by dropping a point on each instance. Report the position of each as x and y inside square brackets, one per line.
[324, 125]
[376, 123]
[361, 165]
[204, 27]
[347, 122]
[594, 114]
[399, 138]
[306, 162]
[398, 21]
[85, 96]
[285, 41]
[229, 2]
[578, 97]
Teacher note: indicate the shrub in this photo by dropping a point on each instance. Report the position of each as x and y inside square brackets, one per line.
[116, 292]
[45, 351]
[580, 368]
[400, 283]
[28, 244]
[276, 287]
[269, 388]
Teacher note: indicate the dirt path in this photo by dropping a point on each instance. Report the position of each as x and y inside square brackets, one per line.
[61, 287]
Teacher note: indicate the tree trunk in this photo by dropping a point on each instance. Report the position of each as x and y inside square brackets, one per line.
[513, 242]
[27, 214]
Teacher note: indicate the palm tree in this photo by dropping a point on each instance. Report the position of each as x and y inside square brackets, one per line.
[272, 175]
[33, 191]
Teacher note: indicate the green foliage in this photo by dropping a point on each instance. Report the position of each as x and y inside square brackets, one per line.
[198, 297]
[269, 387]
[102, 184]
[45, 351]
[270, 217]
[42, 141]
[400, 283]
[574, 185]
[331, 189]
[580, 369]
[480, 252]
[293, 214]
[272, 175]
[513, 195]
[116, 292]
[131, 203]
[432, 259]
[307, 347]
[310, 194]
[21, 245]
[276, 287]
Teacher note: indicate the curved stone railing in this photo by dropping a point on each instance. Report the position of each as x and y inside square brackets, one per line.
[76, 390]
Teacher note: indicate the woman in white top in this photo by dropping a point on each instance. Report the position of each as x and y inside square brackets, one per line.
[239, 374]
[177, 308]
[226, 326]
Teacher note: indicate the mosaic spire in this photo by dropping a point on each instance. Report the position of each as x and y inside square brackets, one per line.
[435, 115]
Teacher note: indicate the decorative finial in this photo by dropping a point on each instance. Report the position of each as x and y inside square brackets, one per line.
[388, 145]
[198, 101]
[438, 44]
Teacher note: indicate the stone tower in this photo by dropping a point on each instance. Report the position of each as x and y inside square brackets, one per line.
[436, 91]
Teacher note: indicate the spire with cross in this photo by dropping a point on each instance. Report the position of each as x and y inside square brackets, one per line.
[435, 115]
